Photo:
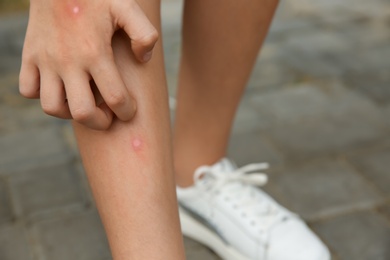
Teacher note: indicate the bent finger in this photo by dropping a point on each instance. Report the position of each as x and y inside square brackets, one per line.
[29, 80]
[113, 90]
[82, 103]
[53, 98]
[141, 31]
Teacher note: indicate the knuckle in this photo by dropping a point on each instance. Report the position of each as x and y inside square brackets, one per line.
[91, 56]
[116, 99]
[149, 39]
[26, 92]
[82, 114]
[91, 52]
[51, 108]
[26, 89]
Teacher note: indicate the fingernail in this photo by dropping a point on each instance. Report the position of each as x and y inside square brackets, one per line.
[147, 56]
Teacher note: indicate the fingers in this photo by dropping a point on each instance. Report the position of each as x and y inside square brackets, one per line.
[53, 97]
[113, 90]
[29, 80]
[82, 102]
[141, 31]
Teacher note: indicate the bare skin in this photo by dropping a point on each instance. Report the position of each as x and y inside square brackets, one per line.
[68, 43]
[129, 166]
[221, 40]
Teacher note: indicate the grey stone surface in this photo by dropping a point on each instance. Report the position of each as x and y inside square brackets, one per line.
[195, 251]
[16, 112]
[32, 148]
[47, 189]
[171, 10]
[201, 253]
[249, 119]
[317, 108]
[307, 120]
[316, 54]
[12, 30]
[252, 147]
[79, 236]
[324, 189]
[14, 243]
[386, 115]
[6, 210]
[359, 236]
[375, 165]
[385, 210]
[373, 83]
[269, 74]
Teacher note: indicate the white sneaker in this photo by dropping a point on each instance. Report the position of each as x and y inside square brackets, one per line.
[224, 211]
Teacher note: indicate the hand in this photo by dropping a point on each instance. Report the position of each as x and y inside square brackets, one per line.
[68, 47]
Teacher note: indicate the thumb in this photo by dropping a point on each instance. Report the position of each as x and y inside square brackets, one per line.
[142, 33]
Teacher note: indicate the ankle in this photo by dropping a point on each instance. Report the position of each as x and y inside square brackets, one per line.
[184, 183]
[184, 171]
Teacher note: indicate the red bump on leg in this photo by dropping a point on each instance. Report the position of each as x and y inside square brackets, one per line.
[137, 144]
[76, 10]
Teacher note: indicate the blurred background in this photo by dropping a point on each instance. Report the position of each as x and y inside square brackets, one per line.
[317, 108]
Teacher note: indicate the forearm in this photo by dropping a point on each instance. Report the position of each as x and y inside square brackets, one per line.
[129, 167]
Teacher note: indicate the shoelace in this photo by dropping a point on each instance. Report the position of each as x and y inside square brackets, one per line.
[247, 176]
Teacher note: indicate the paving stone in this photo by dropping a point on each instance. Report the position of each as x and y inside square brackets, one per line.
[283, 24]
[368, 73]
[375, 165]
[318, 54]
[195, 251]
[324, 189]
[14, 243]
[9, 64]
[249, 119]
[70, 138]
[6, 211]
[385, 210]
[308, 121]
[201, 254]
[348, 8]
[18, 113]
[252, 148]
[24, 117]
[374, 84]
[386, 113]
[46, 189]
[171, 28]
[78, 236]
[359, 236]
[12, 30]
[33, 148]
[269, 74]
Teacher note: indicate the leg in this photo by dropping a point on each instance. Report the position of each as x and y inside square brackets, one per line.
[239, 221]
[221, 40]
[129, 166]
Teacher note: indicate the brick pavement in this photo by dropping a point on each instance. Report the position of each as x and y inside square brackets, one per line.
[317, 108]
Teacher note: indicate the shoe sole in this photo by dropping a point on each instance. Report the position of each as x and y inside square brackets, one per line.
[197, 231]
